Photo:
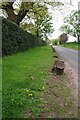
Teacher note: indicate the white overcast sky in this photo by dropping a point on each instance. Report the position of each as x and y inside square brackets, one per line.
[58, 15]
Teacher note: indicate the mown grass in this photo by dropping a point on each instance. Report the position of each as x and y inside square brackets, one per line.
[23, 82]
[75, 46]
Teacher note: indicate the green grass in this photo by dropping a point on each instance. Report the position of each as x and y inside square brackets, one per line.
[0, 87]
[23, 81]
[75, 46]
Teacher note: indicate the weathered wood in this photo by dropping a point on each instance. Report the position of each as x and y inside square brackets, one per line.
[58, 67]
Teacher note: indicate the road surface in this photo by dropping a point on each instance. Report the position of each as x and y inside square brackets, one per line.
[71, 56]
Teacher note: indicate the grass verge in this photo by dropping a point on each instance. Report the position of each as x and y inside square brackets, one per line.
[23, 82]
[0, 87]
[59, 100]
[75, 46]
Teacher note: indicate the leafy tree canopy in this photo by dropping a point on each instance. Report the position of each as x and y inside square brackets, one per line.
[16, 11]
[32, 16]
[72, 24]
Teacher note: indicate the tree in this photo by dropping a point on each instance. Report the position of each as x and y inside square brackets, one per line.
[10, 10]
[44, 26]
[63, 38]
[72, 24]
[16, 14]
[41, 27]
[39, 22]
[65, 28]
[55, 42]
[32, 16]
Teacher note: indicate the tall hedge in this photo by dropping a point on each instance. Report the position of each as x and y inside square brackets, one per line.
[15, 39]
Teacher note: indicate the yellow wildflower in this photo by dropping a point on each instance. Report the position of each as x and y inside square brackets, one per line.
[27, 90]
[30, 94]
[42, 88]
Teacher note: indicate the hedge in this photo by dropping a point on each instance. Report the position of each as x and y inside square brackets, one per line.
[15, 39]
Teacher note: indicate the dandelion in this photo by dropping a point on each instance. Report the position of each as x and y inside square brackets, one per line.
[27, 90]
[30, 94]
[42, 88]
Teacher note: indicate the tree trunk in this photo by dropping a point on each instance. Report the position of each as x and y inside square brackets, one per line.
[37, 33]
[58, 67]
[12, 16]
[78, 37]
[20, 16]
[10, 12]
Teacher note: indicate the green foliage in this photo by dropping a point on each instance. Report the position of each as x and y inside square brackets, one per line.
[3, 3]
[44, 25]
[0, 87]
[15, 39]
[55, 41]
[73, 45]
[65, 29]
[63, 38]
[17, 10]
[72, 23]
[28, 27]
[24, 77]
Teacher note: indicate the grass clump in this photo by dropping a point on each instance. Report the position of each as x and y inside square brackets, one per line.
[23, 82]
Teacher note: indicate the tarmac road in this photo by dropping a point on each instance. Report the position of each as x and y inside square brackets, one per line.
[70, 55]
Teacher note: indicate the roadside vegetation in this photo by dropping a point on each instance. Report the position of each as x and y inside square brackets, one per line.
[15, 39]
[73, 45]
[0, 87]
[30, 90]
[59, 100]
[61, 40]
[71, 24]
[23, 81]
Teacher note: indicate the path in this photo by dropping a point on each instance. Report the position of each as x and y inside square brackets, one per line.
[69, 55]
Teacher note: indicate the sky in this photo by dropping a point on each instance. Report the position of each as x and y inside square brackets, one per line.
[59, 14]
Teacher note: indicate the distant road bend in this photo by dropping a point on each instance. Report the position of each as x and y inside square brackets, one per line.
[71, 56]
